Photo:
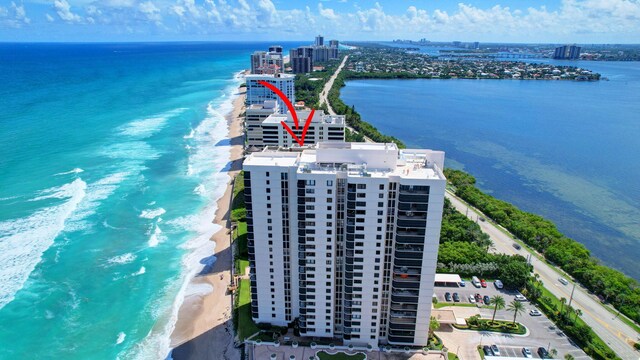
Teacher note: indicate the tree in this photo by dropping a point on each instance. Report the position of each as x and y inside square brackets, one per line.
[499, 304]
[578, 313]
[517, 307]
[433, 325]
[562, 302]
[569, 357]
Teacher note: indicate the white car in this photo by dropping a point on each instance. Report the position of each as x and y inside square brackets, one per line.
[472, 299]
[520, 297]
[563, 281]
[535, 312]
[498, 284]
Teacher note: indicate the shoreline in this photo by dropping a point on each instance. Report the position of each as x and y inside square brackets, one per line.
[204, 327]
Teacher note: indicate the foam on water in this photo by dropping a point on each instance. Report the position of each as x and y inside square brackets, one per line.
[121, 337]
[155, 237]
[152, 213]
[206, 161]
[24, 240]
[74, 171]
[144, 128]
[122, 259]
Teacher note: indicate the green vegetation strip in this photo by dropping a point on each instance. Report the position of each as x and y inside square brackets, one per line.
[506, 327]
[244, 324]
[340, 356]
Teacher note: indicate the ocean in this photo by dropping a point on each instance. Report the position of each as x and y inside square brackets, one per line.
[112, 158]
[562, 149]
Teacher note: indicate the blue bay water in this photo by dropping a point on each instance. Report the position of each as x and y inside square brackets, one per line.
[111, 159]
[565, 150]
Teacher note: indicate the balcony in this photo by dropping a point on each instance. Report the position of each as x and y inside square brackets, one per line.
[414, 223]
[396, 340]
[408, 254]
[406, 284]
[413, 198]
[406, 296]
[404, 307]
[408, 240]
[412, 207]
[408, 262]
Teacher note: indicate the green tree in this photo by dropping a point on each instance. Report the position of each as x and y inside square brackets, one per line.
[433, 326]
[517, 307]
[562, 302]
[578, 313]
[498, 304]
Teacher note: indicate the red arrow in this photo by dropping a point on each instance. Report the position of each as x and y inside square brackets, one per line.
[304, 131]
[284, 98]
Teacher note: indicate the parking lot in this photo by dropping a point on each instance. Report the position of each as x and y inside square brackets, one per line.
[469, 289]
[542, 332]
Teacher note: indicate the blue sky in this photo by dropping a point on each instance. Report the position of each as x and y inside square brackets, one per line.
[549, 21]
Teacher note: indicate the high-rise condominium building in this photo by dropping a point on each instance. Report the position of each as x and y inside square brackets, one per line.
[270, 62]
[319, 40]
[334, 43]
[270, 132]
[254, 116]
[344, 238]
[301, 59]
[258, 93]
[567, 52]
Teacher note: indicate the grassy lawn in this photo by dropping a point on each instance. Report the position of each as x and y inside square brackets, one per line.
[452, 356]
[339, 356]
[445, 304]
[245, 326]
[481, 352]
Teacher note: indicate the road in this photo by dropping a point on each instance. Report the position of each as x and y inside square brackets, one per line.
[325, 93]
[618, 335]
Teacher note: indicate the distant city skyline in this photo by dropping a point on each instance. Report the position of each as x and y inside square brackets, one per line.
[525, 21]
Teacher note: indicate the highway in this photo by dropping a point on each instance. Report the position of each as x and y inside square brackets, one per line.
[618, 335]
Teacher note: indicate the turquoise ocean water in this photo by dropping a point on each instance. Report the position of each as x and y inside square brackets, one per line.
[562, 149]
[111, 159]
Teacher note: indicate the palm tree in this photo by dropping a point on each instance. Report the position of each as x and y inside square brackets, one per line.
[562, 302]
[499, 304]
[517, 307]
[578, 313]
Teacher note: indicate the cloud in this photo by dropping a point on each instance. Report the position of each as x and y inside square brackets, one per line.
[15, 16]
[49, 18]
[63, 9]
[150, 11]
[327, 13]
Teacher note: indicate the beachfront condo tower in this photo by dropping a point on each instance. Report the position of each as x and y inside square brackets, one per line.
[343, 239]
[257, 93]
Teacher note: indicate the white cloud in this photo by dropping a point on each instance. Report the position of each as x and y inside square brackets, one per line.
[15, 16]
[63, 9]
[150, 11]
[327, 13]
[49, 18]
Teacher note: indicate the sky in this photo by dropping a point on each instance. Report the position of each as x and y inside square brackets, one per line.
[526, 21]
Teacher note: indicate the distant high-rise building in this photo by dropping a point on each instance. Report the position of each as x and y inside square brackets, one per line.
[257, 93]
[321, 54]
[275, 49]
[344, 238]
[319, 40]
[476, 45]
[254, 116]
[567, 52]
[301, 59]
[270, 62]
[334, 43]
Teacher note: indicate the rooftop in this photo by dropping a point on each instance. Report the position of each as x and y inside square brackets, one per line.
[318, 117]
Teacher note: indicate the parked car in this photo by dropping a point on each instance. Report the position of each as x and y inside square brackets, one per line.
[472, 299]
[563, 281]
[462, 283]
[517, 246]
[482, 219]
[520, 297]
[483, 283]
[478, 299]
[527, 353]
[495, 350]
[447, 296]
[486, 299]
[487, 350]
[475, 281]
[535, 312]
[543, 353]
[498, 284]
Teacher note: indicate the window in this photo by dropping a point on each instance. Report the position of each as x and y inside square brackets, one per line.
[310, 182]
[329, 200]
[267, 182]
[381, 195]
[267, 174]
[358, 186]
[268, 190]
[380, 212]
[268, 221]
[380, 204]
[310, 191]
[329, 182]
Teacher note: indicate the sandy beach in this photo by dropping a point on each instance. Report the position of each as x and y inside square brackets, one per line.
[204, 328]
